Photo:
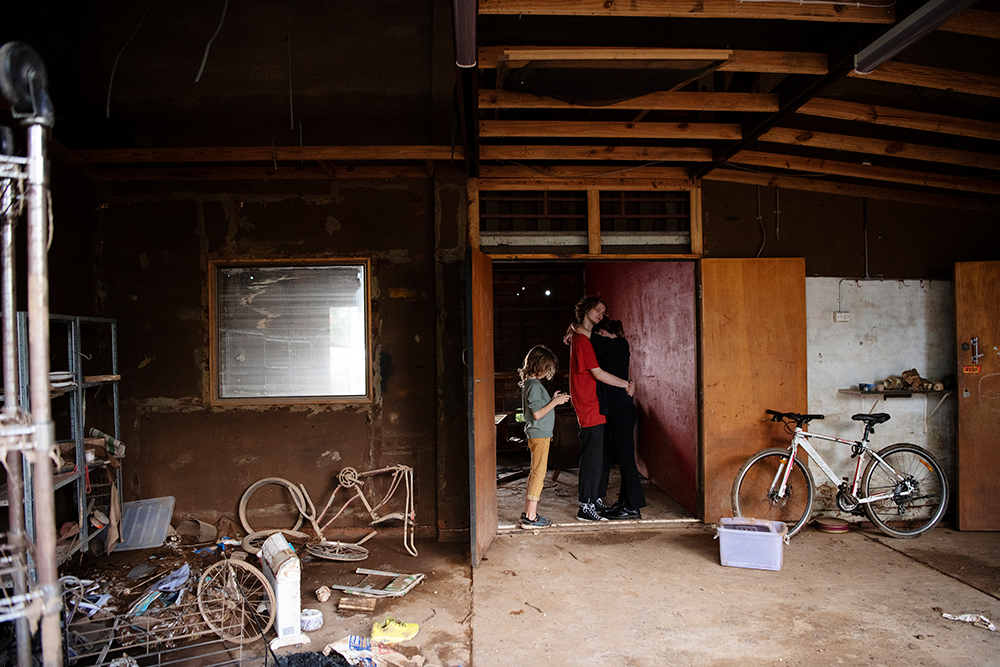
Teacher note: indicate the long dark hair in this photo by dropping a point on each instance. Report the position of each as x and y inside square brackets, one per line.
[611, 326]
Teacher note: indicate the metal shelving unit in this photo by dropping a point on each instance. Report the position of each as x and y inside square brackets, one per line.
[85, 349]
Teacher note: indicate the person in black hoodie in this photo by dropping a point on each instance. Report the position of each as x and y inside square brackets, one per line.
[612, 350]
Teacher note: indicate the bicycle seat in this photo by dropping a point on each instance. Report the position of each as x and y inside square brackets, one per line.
[871, 420]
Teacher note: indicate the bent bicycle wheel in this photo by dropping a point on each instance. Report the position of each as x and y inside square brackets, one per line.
[755, 490]
[918, 487]
[253, 542]
[236, 601]
[337, 551]
[271, 503]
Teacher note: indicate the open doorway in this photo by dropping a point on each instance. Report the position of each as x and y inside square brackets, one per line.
[533, 303]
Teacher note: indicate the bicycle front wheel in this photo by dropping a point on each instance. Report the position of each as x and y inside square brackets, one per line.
[756, 490]
[918, 487]
[236, 601]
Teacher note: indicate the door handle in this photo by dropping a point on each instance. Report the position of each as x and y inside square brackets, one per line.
[976, 356]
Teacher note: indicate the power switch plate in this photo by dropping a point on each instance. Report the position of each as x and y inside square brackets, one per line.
[841, 317]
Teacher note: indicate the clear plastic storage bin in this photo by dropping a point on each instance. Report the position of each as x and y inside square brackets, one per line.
[757, 544]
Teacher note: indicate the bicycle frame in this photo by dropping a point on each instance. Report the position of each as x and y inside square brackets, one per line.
[801, 439]
[351, 479]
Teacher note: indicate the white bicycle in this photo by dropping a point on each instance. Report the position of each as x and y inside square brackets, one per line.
[903, 489]
[259, 502]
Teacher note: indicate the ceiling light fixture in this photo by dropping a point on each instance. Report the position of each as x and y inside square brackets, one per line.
[906, 33]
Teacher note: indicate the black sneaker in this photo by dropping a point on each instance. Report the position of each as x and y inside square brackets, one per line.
[588, 512]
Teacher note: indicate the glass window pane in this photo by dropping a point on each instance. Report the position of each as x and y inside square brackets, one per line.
[292, 331]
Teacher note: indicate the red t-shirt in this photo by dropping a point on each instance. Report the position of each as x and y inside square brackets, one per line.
[582, 383]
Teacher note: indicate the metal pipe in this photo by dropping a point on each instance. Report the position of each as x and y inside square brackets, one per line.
[12, 410]
[41, 410]
[465, 32]
[11, 402]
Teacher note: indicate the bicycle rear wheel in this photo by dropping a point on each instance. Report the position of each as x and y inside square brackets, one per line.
[273, 507]
[919, 491]
[330, 550]
[755, 490]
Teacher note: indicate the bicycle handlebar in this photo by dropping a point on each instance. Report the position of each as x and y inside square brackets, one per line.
[799, 419]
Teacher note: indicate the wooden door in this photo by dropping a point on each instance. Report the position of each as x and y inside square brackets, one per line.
[482, 426]
[977, 293]
[753, 358]
[656, 303]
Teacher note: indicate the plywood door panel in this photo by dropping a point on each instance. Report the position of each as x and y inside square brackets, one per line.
[753, 358]
[656, 304]
[977, 293]
[482, 427]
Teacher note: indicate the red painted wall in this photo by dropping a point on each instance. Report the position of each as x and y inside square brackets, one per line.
[655, 302]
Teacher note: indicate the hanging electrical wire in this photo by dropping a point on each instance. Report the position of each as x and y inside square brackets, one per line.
[208, 46]
[107, 110]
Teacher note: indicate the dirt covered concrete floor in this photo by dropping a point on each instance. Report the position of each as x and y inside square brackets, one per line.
[613, 595]
[660, 598]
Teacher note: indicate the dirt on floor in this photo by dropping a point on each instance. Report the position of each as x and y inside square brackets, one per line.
[636, 597]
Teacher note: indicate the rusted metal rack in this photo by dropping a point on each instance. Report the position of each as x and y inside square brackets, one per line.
[28, 442]
[172, 636]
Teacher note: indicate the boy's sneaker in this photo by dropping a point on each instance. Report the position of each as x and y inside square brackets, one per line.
[588, 512]
[538, 522]
[601, 507]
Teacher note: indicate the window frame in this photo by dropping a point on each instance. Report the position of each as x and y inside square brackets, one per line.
[214, 270]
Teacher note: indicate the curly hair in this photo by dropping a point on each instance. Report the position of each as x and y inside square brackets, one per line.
[585, 304]
[540, 360]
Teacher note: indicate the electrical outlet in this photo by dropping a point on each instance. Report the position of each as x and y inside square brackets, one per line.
[841, 317]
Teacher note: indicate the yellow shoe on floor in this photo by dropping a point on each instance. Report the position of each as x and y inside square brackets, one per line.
[391, 631]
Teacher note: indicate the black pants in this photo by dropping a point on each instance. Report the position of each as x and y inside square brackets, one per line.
[619, 446]
[591, 462]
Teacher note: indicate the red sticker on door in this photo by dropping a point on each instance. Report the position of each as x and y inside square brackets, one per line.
[972, 369]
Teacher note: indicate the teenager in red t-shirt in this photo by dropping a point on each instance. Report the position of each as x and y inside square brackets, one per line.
[584, 372]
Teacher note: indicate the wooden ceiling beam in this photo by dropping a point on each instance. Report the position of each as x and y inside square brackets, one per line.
[229, 154]
[913, 120]
[849, 190]
[777, 62]
[744, 102]
[326, 172]
[574, 177]
[561, 53]
[934, 77]
[861, 171]
[975, 22]
[608, 130]
[780, 62]
[869, 146]
[710, 9]
[613, 153]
